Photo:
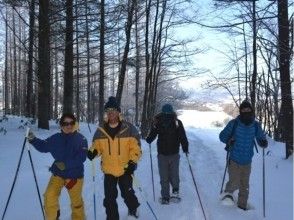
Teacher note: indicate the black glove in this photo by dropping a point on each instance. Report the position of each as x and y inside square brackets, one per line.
[148, 140]
[263, 143]
[132, 166]
[230, 144]
[91, 155]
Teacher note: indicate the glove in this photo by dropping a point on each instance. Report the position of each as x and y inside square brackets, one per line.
[148, 140]
[132, 166]
[91, 155]
[60, 165]
[263, 143]
[30, 136]
[230, 144]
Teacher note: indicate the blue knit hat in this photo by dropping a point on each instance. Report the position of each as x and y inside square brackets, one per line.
[167, 109]
[112, 103]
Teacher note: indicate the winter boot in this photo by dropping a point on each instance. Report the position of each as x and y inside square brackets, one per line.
[164, 201]
[134, 213]
[176, 193]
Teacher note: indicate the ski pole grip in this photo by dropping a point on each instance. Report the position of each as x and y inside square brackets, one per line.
[27, 132]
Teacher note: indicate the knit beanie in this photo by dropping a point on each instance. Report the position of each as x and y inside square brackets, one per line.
[167, 109]
[245, 104]
[112, 103]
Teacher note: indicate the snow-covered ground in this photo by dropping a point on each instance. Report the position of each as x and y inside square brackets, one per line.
[207, 159]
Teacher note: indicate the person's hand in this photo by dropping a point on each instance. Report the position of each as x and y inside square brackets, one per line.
[31, 136]
[231, 142]
[263, 143]
[92, 154]
[132, 166]
[60, 165]
[148, 140]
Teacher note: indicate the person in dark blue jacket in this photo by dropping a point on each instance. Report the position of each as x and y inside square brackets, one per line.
[239, 135]
[69, 150]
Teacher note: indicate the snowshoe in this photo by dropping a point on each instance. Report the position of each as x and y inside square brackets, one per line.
[228, 199]
[164, 201]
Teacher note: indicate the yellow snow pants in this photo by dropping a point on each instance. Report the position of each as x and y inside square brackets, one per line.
[51, 197]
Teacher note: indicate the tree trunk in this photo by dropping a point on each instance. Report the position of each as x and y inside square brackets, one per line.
[284, 63]
[102, 58]
[30, 62]
[121, 78]
[15, 107]
[77, 64]
[6, 80]
[68, 60]
[89, 97]
[43, 65]
[254, 51]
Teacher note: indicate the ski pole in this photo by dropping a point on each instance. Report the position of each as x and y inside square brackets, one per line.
[34, 173]
[136, 183]
[227, 162]
[152, 173]
[93, 178]
[15, 177]
[195, 186]
[263, 182]
[94, 195]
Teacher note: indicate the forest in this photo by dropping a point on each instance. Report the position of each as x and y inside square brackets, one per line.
[71, 55]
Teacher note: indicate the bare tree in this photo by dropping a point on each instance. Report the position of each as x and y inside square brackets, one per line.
[68, 59]
[43, 65]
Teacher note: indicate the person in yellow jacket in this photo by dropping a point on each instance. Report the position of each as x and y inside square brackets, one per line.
[118, 144]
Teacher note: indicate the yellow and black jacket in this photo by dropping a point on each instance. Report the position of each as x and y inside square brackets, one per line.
[115, 153]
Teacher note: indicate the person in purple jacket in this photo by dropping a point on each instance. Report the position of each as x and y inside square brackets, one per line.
[69, 150]
[239, 135]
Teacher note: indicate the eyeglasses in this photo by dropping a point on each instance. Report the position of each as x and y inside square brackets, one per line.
[67, 123]
[110, 110]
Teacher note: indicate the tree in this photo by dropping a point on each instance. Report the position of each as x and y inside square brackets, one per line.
[43, 65]
[102, 58]
[68, 59]
[284, 67]
[30, 62]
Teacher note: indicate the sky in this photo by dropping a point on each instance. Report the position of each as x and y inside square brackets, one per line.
[207, 160]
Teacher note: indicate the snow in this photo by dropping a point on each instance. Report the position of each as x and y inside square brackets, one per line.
[207, 160]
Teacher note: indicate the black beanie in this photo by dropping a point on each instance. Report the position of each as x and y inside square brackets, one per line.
[112, 103]
[245, 104]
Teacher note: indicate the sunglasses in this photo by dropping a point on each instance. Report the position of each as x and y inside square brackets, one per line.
[65, 123]
[110, 110]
